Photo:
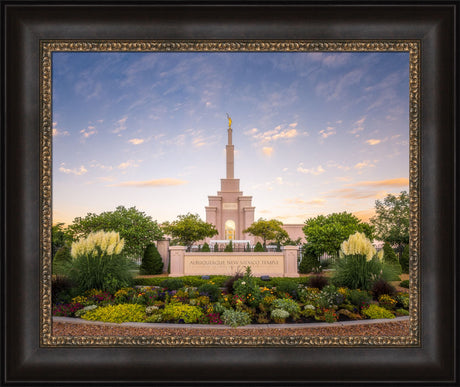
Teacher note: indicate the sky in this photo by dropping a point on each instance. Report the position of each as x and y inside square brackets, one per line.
[314, 133]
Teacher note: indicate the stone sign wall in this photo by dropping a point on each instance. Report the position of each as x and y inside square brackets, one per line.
[282, 264]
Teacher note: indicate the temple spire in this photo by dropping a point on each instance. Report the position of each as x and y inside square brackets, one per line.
[230, 151]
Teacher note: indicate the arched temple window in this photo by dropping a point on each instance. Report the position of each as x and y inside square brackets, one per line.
[230, 229]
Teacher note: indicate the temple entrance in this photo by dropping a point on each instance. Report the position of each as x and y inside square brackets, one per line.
[230, 229]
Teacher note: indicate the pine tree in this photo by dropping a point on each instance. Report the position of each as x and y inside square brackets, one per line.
[216, 248]
[206, 248]
[390, 257]
[61, 258]
[229, 248]
[405, 259]
[309, 261]
[151, 262]
[259, 248]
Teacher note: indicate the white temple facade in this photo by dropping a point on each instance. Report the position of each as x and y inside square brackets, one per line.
[230, 211]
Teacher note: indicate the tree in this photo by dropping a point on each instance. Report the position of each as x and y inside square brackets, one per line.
[188, 229]
[259, 248]
[59, 238]
[229, 248]
[391, 221]
[205, 248]
[152, 263]
[391, 258]
[268, 230]
[61, 259]
[404, 260]
[325, 234]
[309, 262]
[135, 227]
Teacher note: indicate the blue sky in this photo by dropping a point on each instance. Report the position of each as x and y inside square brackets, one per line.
[314, 133]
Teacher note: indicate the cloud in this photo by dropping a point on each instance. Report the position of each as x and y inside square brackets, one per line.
[120, 125]
[285, 169]
[398, 182]
[89, 131]
[279, 180]
[78, 172]
[96, 164]
[354, 194]
[198, 142]
[267, 151]
[364, 215]
[363, 164]
[316, 201]
[151, 183]
[358, 126]
[127, 164]
[293, 125]
[275, 134]
[329, 131]
[313, 171]
[373, 141]
[136, 141]
[58, 132]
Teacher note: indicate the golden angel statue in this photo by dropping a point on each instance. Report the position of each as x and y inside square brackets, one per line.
[229, 121]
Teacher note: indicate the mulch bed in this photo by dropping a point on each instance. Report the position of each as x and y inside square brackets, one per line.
[394, 328]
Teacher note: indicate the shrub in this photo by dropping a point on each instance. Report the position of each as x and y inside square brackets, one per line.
[360, 298]
[404, 284]
[404, 261]
[402, 312]
[247, 289]
[235, 318]
[172, 283]
[318, 281]
[288, 286]
[66, 310]
[229, 248]
[81, 312]
[97, 263]
[117, 313]
[61, 259]
[229, 283]
[279, 315]
[187, 313]
[216, 248]
[329, 297]
[206, 248]
[210, 290]
[309, 262]
[61, 289]
[288, 305]
[376, 312]
[259, 248]
[330, 316]
[403, 300]
[152, 263]
[387, 302]
[154, 318]
[381, 287]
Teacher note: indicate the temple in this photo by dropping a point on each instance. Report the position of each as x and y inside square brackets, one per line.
[230, 211]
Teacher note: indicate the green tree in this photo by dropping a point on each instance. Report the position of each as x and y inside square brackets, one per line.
[391, 220]
[404, 260]
[268, 230]
[259, 248]
[135, 227]
[152, 263]
[229, 248]
[391, 258]
[216, 248]
[188, 229]
[61, 259]
[206, 248]
[309, 262]
[325, 234]
[59, 238]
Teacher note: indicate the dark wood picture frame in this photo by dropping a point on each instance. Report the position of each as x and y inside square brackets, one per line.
[26, 24]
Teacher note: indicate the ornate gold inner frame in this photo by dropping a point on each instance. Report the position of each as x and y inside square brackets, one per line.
[47, 48]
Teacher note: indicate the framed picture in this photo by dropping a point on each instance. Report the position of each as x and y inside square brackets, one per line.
[46, 45]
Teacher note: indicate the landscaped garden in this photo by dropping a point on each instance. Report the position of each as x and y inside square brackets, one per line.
[96, 284]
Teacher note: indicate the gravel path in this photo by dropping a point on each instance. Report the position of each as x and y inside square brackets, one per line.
[400, 327]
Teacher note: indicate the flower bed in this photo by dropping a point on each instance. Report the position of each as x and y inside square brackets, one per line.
[243, 301]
